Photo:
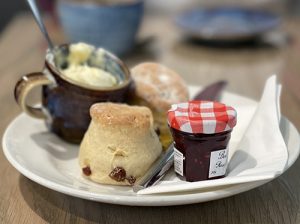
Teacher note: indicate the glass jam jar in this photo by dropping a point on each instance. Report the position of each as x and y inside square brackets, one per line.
[201, 131]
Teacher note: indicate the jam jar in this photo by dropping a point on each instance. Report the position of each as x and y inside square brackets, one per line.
[201, 131]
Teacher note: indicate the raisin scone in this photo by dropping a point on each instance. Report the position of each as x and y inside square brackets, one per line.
[158, 87]
[120, 144]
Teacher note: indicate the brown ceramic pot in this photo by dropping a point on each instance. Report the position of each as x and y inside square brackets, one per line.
[65, 103]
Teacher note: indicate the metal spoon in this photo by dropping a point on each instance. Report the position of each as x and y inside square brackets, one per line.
[37, 16]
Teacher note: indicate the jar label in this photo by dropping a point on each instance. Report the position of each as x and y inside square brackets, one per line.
[218, 163]
[178, 161]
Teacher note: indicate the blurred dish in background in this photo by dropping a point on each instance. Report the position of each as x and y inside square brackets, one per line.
[169, 6]
[112, 25]
[226, 24]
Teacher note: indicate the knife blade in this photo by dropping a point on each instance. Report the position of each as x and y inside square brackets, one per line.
[165, 162]
[211, 92]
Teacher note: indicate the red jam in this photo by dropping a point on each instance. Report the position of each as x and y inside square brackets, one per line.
[201, 131]
[197, 149]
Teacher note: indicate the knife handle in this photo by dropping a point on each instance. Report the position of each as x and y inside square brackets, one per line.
[158, 170]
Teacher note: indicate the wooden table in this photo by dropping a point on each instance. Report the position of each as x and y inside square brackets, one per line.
[246, 68]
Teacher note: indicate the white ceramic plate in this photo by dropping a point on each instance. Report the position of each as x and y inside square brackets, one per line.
[51, 162]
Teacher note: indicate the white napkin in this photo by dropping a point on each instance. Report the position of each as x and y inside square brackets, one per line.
[261, 154]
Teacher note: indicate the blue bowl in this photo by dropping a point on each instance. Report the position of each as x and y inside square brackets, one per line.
[113, 27]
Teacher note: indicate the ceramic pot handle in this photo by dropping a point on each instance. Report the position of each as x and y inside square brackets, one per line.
[24, 86]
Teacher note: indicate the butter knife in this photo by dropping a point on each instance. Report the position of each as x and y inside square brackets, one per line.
[165, 162]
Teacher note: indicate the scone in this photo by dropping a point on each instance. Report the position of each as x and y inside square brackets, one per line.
[158, 87]
[120, 144]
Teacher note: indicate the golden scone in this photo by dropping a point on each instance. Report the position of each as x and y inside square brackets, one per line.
[158, 87]
[120, 144]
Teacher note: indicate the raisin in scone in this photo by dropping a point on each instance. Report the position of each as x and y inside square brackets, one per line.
[158, 87]
[120, 144]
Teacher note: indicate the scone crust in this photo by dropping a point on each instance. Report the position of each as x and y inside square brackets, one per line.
[158, 86]
[113, 114]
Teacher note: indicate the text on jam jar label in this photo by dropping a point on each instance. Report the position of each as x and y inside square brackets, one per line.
[218, 163]
[178, 161]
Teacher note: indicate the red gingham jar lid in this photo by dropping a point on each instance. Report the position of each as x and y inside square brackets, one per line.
[206, 117]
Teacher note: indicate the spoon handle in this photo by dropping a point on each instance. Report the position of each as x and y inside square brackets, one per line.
[35, 11]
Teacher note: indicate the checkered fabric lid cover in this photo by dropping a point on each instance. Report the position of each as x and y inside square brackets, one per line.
[205, 117]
